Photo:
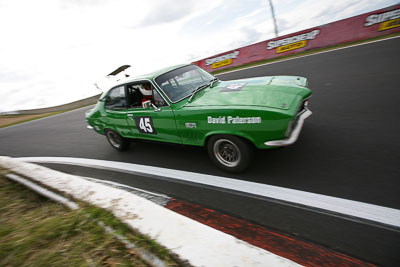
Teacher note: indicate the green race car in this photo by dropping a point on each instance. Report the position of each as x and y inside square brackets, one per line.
[186, 105]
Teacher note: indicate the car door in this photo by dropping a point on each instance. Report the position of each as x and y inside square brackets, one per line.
[155, 123]
[116, 108]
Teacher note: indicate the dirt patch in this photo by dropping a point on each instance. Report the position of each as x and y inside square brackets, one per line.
[7, 120]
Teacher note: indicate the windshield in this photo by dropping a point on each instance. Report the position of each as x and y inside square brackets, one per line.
[180, 83]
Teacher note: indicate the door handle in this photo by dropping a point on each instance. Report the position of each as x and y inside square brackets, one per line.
[129, 115]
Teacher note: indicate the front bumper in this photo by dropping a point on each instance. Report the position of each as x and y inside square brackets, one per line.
[295, 133]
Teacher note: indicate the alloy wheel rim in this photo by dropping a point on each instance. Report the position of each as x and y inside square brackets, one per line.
[114, 139]
[227, 153]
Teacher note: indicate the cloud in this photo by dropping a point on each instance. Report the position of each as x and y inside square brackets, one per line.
[11, 76]
[283, 25]
[246, 36]
[309, 13]
[166, 12]
[53, 52]
[82, 3]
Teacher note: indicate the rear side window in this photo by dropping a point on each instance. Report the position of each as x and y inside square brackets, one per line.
[116, 98]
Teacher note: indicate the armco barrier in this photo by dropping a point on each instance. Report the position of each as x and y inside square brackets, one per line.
[368, 25]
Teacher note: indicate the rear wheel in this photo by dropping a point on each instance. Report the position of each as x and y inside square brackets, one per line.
[230, 153]
[116, 141]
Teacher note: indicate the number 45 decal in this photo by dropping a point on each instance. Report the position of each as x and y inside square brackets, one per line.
[145, 125]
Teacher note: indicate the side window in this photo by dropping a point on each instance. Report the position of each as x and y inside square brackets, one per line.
[158, 100]
[116, 98]
[134, 96]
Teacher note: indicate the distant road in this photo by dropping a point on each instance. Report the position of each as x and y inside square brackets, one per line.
[69, 106]
[349, 148]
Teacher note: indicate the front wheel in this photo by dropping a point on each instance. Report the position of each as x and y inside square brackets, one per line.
[230, 153]
[117, 141]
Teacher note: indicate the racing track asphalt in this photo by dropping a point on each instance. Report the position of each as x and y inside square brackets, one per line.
[348, 148]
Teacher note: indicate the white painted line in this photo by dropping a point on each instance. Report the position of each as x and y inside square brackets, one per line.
[352, 208]
[159, 199]
[200, 244]
[127, 187]
[43, 191]
[317, 53]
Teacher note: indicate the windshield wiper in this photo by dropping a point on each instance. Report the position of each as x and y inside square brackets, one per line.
[198, 89]
[213, 81]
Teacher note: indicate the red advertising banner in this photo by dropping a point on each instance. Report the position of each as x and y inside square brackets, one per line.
[368, 25]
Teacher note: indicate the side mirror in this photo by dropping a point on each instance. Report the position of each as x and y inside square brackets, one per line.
[146, 104]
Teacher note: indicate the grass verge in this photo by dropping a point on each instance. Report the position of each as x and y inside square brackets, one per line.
[10, 120]
[35, 231]
[304, 53]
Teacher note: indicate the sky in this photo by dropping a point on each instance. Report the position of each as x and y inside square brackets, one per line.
[53, 51]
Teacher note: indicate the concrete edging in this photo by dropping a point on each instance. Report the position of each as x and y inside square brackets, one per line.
[199, 244]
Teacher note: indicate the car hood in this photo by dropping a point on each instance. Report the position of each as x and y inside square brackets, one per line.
[280, 92]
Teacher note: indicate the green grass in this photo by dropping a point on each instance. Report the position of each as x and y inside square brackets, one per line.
[308, 52]
[37, 232]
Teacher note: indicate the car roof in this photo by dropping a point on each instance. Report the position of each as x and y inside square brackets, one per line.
[152, 75]
[149, 76]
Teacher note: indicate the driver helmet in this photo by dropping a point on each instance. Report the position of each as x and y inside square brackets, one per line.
[145, 89]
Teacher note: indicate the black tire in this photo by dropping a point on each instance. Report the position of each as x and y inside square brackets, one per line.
[230, 153]
[116, 141]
